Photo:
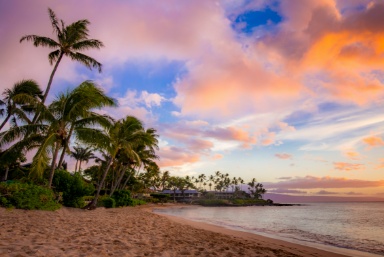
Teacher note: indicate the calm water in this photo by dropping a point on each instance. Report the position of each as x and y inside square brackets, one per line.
[358, 227]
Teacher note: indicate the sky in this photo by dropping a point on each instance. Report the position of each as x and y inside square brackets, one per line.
[288, 92]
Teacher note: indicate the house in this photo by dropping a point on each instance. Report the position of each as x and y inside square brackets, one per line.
[188, 194]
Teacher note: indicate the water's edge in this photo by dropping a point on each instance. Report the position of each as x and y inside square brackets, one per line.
[173, 211]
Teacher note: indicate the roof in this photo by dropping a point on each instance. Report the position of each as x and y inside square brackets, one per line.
[179, 192]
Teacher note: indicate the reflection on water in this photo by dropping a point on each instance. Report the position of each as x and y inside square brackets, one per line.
[357, 226]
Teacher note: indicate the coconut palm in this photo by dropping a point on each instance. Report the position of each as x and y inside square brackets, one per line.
[70, 114]
[70, 41]
[81, 154]
[124, 135]
[256, 189]
[18, 99]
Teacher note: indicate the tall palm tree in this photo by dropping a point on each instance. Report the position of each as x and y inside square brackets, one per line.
[70, 41]
[68, 114]
[125, 135]
[81, 154]
[18, 99]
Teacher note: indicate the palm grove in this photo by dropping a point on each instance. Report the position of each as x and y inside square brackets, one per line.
[124, 146]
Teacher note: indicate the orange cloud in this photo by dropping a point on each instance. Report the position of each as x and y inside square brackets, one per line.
[283, 156]
[373, 141]
[344, 166]
[268, 138]
[352, 155]
[217, 157]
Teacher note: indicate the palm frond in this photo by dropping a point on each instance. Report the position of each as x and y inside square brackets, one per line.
[85, 60]
[87, 44]
[54, 22]
[41, 41]
[54, 56]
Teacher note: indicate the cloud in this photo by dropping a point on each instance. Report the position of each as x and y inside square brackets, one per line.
[174, 156]
[284, 178]
[151, 99]
[287, 191]
[283, 156]
[353, 193]
[344, 166]
[373, 141]
[324, 192]
[311, 182]
[217, 157]
[352, 155]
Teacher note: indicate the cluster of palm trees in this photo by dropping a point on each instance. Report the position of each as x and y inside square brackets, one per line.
[48, 131]
[152, 178]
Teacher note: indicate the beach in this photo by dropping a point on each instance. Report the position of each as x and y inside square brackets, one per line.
[130, 231]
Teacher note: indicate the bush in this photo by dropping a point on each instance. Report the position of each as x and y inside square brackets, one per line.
[73, 187]
[213, 202]
[108, 202]
[135, 202]
[27, 196]
[122, 198]
[163, 198]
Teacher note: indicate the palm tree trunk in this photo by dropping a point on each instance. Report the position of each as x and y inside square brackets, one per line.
[53, 164]
[118, 182]
[92, 205]
[48, 86]
[126, 181]
[77, 161]
[5, 121]
[6, 174]
[51, 77]
[79, 166]
[65, 147]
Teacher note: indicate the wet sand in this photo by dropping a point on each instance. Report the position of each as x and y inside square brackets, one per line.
[130, 231]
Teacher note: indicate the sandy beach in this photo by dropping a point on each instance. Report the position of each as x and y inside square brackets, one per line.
[130, 231]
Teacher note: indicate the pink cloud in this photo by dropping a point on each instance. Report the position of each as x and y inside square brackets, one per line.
[311, 182]
[175, 156]
[344, 166]
[287, 191]
[283, 156]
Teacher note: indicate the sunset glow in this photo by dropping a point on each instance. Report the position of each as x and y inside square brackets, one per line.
[289, 92]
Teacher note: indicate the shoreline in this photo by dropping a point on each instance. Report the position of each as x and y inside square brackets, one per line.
[132, 231]
[304, 247]
[268, 242]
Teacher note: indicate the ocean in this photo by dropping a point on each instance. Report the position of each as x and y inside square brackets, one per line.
[355, 229]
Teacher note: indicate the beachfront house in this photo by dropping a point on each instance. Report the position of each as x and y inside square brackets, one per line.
[179, 195]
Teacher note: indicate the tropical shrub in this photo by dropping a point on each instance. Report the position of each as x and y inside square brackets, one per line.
[73, 187]
[163, 198]
[122, 198]
[27, 196]
[213, 202]
[108, 202]
[135, 202]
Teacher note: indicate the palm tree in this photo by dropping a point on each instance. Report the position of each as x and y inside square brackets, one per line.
[18, 99]
[71, 40]
[256, 189]
[67, 115]
[124, 135]
[81, 154]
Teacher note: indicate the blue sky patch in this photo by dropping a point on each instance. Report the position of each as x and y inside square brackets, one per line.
[248, 21]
